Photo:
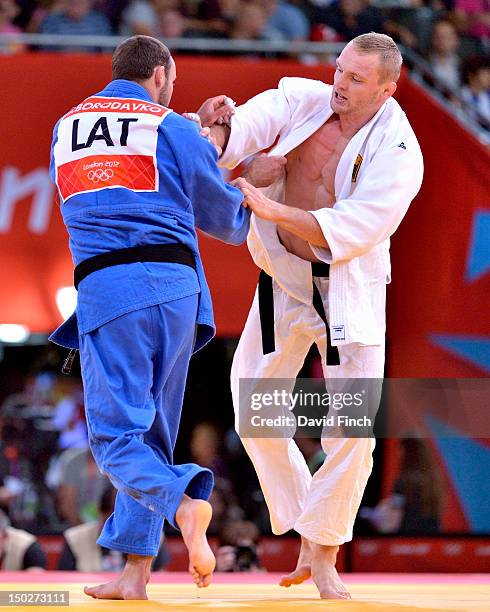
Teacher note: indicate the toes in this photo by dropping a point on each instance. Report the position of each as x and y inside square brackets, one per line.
[286, 581]
[333, 594]
[296, 577]
[202, 581]
[206, 580]
[91, 591]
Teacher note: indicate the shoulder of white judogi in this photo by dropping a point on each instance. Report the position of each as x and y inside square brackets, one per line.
[257, 123]
[305, 93]
[394, 131]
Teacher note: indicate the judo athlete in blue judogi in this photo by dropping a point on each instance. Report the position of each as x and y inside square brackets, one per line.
[134, 179]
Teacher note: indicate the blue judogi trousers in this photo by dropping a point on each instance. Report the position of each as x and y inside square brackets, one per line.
[134, 370]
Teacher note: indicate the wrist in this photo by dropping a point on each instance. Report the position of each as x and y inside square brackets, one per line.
[281, 213]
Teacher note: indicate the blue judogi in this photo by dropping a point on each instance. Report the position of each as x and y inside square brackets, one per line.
[137, 324]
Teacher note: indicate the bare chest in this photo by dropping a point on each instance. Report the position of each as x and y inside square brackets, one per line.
[312, 166]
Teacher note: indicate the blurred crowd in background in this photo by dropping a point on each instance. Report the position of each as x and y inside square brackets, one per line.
[50, 484]
[452, 35]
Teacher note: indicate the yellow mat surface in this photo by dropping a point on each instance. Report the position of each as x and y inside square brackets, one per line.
[246, 597]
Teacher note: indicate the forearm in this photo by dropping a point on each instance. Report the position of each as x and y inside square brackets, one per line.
[299, 222]
[221, 135]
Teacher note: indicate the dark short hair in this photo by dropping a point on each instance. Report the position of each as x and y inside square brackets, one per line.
[136, 58]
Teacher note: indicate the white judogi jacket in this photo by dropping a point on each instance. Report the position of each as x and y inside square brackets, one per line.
[372, 195]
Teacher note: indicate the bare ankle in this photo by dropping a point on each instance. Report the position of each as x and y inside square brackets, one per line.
[330, 552]
[181, 510]
[138, 562]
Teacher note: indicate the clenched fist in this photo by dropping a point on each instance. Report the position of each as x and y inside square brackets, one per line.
[216, 111]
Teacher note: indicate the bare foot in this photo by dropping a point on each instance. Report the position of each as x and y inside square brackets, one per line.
[131, 584]
[193, 517]
[303, 567]
[324, 574]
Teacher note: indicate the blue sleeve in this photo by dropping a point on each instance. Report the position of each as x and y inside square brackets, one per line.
[217, 206]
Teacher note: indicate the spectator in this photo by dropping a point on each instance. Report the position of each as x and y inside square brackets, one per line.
[225, 508]
[82, 553]
[473, 18]
[414, 506]
[8, 12]
[444, 57]
[69, 419]
[80, 487]
[420, 485]
[399, 4]
[423, 19]
[112, 9]
[476, 92]
[19, 550]
[172, 24]
[32, 16]
[250, 22]
[237, 550]
[77, 18]
[246, 487]
[350, 18]
[206, 449]
[143, 16]
[18, 495]
[216, 16]
[285, 21]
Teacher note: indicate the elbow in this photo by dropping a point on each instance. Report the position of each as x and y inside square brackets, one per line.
[232, 236]
[238, 237]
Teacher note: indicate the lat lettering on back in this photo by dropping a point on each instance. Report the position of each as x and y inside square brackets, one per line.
[106, 143]
[100, 131]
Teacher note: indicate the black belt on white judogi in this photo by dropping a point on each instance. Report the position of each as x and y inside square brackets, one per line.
[266, 312]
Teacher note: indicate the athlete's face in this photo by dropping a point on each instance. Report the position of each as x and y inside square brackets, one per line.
[168, 86]
[357, 86]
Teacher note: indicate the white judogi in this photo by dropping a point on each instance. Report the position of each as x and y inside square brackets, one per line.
[378, 175]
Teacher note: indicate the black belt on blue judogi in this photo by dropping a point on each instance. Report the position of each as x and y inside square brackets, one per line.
[164, 253]
[266, 312]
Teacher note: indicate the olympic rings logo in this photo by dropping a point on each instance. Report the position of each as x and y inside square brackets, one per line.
[100, 175]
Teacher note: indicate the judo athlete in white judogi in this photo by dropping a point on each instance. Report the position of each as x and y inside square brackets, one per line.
[320, 233]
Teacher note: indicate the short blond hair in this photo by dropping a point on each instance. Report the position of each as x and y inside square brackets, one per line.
[390, 58]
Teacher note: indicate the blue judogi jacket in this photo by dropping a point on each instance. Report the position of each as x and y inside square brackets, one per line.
[130, 172]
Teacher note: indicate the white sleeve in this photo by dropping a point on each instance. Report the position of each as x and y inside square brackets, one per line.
[256, 124]
[355, 225]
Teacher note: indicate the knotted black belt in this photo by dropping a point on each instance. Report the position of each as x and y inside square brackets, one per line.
[266, 312]
[168, 253]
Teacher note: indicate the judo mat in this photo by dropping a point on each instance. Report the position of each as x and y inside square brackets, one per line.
[259, 592]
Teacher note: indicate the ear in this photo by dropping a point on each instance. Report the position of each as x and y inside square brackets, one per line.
[390, 89]
[159, 76]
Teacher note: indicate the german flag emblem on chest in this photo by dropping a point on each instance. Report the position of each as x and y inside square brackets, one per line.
[357, 167]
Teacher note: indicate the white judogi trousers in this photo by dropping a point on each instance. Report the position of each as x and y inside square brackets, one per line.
[322, 508]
